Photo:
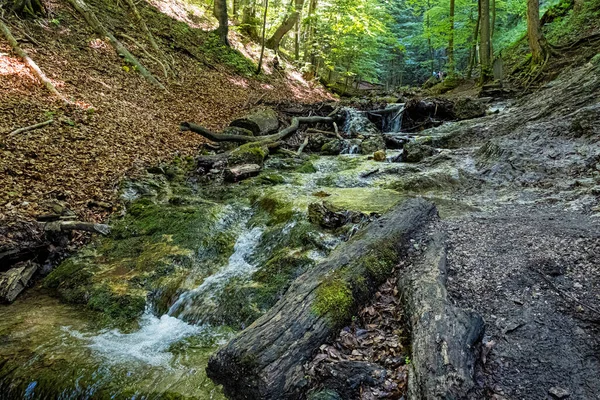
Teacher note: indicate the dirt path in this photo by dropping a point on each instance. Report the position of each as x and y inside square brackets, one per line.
[540, 340]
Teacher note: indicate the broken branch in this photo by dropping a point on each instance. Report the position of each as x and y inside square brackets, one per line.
[31, 127]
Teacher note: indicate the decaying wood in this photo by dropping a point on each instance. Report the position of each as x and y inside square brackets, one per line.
[302, 146]
[283, 134]
[443, 337]
[94, 22]
[30, 63]
[162, 64]
[66, 226]
[31, 127]
[265, 361]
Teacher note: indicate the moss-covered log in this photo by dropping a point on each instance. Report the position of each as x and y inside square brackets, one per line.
[443, 337]
[266, 360]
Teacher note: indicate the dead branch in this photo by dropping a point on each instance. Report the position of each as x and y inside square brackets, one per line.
[93, 21]
[283, 134]
[397, 108]
[302, 146]
[164, 68]
[32, 65]
[31, 127]
[66, 226]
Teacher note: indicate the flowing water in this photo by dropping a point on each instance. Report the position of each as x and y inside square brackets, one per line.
[206, 261]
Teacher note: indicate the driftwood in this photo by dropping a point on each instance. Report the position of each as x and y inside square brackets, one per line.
[265, 361]
[302, 146]
[443, 337]
[66, 226]
[94, 22]
[31, 127]
[283, 134]
[30, 63]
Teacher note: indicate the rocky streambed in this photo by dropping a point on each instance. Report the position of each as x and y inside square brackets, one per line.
[194, 260]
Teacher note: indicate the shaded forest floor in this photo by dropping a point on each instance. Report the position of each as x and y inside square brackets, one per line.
[117, 123]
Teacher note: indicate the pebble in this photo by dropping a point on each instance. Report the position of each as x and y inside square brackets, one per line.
[559, 393]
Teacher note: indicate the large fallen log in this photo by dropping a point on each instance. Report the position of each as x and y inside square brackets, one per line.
[283, 134]
[265, 361]
[443, 337]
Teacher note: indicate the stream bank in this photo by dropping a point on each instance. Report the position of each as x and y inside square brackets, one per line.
[541, 153]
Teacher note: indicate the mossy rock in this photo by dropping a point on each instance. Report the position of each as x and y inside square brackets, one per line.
[415, 152]
[307, 168]
[372, 144]
[334, 299]
[333, 147]
[270, 179]
[468, 108]
[249, 153]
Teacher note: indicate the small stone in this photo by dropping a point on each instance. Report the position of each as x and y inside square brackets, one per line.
[379, 155]
[577, 285]
[559, 393]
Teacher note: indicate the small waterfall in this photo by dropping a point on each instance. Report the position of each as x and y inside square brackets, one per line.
[392, 123]
[351, 147]
[357, 123]
[195, 304]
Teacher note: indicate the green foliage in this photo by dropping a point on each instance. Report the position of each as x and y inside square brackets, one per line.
[215, 51]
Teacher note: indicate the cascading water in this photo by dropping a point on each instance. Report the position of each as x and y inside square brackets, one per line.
[356, 123]
[195, 304]
[392, 123]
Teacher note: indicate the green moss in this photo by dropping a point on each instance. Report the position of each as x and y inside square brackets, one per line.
[249, 153]
[307, 168]
[270, 179]
[278, 209]
[380, 262]
[334, 300]
[124, 305]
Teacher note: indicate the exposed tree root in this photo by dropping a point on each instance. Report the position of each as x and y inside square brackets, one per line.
[93, 21]
[32, 65]
[283, 134]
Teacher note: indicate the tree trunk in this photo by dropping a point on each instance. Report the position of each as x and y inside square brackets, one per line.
[220, 13]
[297, 39]
[265, 361]
[28, 8]
[443, 337]
[451, 65]
[308, 53]
[537, 41]
[484, 46]
[288, 23]
[249, 24]
[264, 29]
[473, 52]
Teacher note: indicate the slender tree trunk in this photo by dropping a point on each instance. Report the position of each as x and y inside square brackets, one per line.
[249, 24]
[312, 6]
[288, 23]
[220, 12]
[451, 65]
[537, 41]
[264, 30]
[297, 39]
[473, 53]
[429, 45]
[492, 28]
[484, 47]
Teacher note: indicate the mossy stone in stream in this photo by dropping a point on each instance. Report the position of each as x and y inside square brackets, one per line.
[307, 168]
[372, 144]
[278, 208]
[333, 147]
[269, 179]
[415, 152]
[249, 153]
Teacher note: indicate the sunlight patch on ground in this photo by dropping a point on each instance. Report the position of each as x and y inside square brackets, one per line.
[194, 15]
[14, 66]
[238, 81]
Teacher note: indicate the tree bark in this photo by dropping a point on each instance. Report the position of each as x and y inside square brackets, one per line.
[264, 31]
[484, 46]
[28, 8]
[451, 65]
[473, 53]
[288, 23]
[220, 13]
[537, 41]
[265, 361]
[443, 337]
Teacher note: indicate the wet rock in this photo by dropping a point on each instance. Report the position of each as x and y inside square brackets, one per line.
[15, 280]
[559, 393]
[333, 147]
[415, 152]
[467, 108]
[329, 216]
[250, 153]
[379, 155]
[317, 141]
[348, 377]
[373, 144]
[324, 395]
[241, 172]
